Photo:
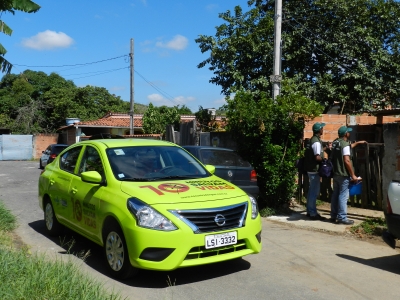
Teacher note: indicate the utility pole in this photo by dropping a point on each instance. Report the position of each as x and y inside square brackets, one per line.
[132, 119]
[276, 78]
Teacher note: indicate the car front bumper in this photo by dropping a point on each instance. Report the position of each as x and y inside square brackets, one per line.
[169, 250]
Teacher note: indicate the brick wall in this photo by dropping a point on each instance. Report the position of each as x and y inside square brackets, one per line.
[365, 126]
[42, 141]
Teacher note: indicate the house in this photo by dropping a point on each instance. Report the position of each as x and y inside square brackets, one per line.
[112, 123]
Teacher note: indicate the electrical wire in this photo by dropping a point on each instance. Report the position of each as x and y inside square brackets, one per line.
[168, 97]
[74, 65]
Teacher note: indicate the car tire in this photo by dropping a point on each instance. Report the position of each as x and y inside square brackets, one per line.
[116, 253]
[53, 227]
[40, 164]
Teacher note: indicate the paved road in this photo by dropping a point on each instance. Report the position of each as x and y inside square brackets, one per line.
[294, 263]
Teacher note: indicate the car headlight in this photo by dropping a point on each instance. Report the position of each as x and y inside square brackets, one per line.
[148, 217]
[254, 207]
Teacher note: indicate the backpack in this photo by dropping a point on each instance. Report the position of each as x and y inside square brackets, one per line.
[325, 169]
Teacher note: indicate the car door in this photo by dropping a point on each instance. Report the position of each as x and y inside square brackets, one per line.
[86, 196]
[60, 181]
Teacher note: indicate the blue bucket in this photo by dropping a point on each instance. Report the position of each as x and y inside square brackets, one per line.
[355, 188]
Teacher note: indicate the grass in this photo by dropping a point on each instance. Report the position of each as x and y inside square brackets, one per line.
[26, 276]
[371, 226]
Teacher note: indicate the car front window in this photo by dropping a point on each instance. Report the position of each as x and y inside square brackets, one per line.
[153, 162]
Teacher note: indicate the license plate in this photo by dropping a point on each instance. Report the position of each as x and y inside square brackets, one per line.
[219, 240]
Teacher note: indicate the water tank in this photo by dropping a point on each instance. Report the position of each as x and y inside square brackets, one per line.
[70, 121]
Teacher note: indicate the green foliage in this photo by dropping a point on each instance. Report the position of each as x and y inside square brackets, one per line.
[183, 110]
[329, 55]
[36, 102]
[11, 6]
[25, 276]
[371, 226]
[7, 220]
[155, 119]
[268, 134]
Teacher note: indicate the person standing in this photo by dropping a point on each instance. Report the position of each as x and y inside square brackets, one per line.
[343, 173]
[313, 157]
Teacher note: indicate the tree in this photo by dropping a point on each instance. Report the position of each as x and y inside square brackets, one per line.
[11, 6]
[268, 134]
[207, 120]
[155, 119]
[50, 99]
[184, 110]
[346, 51]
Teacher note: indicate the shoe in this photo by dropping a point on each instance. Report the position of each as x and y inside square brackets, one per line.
[345, 222]
[308, 214]
[331, 220]
[317, 217]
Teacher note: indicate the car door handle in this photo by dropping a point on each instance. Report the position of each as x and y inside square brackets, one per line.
[74, 190]
[52, 181]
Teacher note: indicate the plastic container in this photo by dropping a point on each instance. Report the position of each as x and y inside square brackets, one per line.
[355, 188]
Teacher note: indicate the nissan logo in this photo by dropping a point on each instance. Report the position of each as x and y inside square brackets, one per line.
[219, 220]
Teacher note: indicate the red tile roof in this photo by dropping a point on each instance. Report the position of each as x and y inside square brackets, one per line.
[119, 120]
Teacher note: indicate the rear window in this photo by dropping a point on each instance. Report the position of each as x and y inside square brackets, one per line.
[222, 158]
[58, 149]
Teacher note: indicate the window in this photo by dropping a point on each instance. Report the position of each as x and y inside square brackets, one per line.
[69, 159]
[222, 158]
[91, 161]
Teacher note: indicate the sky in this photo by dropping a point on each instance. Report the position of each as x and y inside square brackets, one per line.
[88, 42]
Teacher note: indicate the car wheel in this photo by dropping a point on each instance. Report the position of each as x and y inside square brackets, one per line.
[53, 227]
[40, 164]
[116, 253]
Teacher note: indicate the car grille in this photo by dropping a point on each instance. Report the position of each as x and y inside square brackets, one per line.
[214, 219]
[201, 252]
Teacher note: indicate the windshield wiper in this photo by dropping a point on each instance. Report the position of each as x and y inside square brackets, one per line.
[178, 177]
[137, 179]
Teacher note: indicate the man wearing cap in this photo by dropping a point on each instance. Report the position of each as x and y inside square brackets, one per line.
[313, 157]
[343, 173]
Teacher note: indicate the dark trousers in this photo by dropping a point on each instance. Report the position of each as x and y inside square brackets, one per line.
[326, 189]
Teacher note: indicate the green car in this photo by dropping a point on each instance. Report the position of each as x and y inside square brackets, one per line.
[150, 205]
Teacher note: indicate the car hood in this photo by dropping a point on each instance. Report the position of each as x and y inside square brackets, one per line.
[182, 191]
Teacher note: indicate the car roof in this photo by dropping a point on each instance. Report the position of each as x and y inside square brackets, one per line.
[207, 147]
[113, 143]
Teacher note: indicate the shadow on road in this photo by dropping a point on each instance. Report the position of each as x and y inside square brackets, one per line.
[77, 245]
[385, 263]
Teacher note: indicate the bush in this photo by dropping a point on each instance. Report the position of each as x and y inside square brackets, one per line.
[269, 134]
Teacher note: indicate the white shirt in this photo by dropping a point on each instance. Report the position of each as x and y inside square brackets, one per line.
[317, 151]
[346, 151]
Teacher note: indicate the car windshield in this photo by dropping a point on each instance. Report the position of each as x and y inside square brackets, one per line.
[149, 163]
[222, 158]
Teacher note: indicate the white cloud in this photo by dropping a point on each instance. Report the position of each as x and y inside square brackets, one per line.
[178, 42]
[220, 102]
[159, 100]
[48, 40]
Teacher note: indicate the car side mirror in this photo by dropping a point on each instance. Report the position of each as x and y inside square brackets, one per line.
[91, 177]
[210, 168]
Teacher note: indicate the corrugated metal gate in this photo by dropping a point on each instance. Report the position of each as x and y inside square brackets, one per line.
[16, 147]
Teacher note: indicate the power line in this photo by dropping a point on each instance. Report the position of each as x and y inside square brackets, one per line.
[168, 97]
[98, 73]
[74, 65]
